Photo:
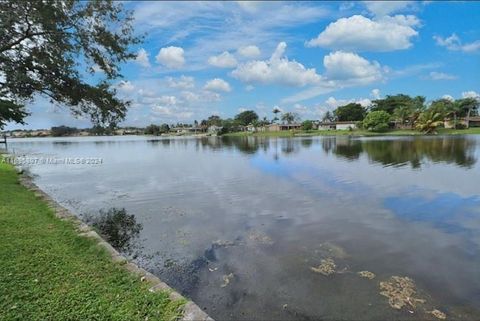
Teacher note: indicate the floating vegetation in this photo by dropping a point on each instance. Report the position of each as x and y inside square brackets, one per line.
[226, 280]
[400, 291]
[328, 249]
[326, 267]
[222, 243]
[118, 227]
[260, 238]
[366, 274]
[438, 314]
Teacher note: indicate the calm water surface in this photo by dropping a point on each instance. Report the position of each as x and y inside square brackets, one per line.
[237, 224]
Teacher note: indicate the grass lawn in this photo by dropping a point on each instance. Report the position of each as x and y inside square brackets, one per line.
[358, 132]
[48, 272]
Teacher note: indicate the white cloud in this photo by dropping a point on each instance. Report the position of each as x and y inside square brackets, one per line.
[342, 69]
[276, 70]
[224, 60]
[382, 8]
[249, 88]
[333, 103]
[183, 82]
[448, 97]
[170, 113]
[142, 58]
[435, 75]
[216, 26]
[171, 57]
[471, 94]
[454, 43]
[351, 68]
[126, 86]
[375, 94]
[359, 33]
[249, 51]
[217, 84]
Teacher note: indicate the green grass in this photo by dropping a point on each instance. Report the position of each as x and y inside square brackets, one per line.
[48, 272]
[358, 132]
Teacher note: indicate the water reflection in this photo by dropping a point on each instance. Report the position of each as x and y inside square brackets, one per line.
[401, 152]
[260, 211]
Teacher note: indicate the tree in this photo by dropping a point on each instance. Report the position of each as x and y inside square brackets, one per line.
[402, 114]
[429, 120]
[350, 112]
[307, 125]
[213, 120]
[9, 111]
[377, 121]
[469, 105]
[290, 117]
[246, 117]
[152, 130]
[63, 131]
[391, 103]
[328, 117]
[275, 112]
[44, 43]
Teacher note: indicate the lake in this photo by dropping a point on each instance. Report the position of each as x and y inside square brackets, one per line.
[258, 228]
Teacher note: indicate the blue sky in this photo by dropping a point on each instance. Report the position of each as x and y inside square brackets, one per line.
[204, 58]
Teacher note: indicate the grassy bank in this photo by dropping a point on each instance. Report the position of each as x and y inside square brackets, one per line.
[48, 272]
[404, 132]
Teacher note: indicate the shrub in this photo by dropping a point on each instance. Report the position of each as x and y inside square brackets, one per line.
[307, 125]
[377, 121]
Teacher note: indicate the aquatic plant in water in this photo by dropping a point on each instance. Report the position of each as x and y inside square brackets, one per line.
[326, 267]
[366, 274]
[400, 292]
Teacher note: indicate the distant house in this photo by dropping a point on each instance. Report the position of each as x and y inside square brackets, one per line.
[280, 127]
[327, 126]
[251, 128]
[345, 125]
[473, 121]
[214, 129]
[338, 125]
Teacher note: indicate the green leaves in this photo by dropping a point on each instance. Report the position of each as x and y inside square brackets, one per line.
[10, 111]
[44, 43]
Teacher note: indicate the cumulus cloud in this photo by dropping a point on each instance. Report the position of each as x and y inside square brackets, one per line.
[382, 8]
[471, 94]
[142, 58]
[217, 84]
[375, 94]
[435, 75]
[249, 51]
[352, 68]
[277, 70]
[183, 82]
[455, 44]
[359, 33]
[223, 60]
[448, 97]
[171, 57]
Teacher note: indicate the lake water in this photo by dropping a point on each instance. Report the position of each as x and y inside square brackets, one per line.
[237, 224]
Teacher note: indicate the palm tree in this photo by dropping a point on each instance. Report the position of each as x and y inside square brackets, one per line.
[275, 112]
[290, 117]
[429, 120]
[468, 105]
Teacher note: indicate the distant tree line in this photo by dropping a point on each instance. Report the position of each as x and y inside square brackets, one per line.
[406, 112]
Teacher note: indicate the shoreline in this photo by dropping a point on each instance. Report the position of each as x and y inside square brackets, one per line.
[189, 311]
[355, 133]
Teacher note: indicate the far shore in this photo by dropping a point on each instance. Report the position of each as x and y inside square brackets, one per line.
[357, 132]
[293, 133]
